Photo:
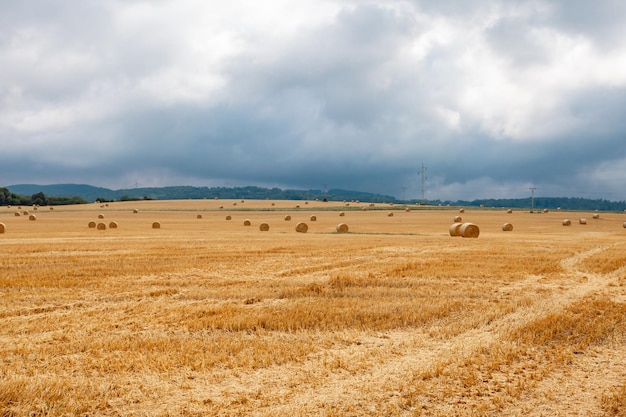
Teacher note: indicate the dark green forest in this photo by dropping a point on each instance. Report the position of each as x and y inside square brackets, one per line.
[26, 194]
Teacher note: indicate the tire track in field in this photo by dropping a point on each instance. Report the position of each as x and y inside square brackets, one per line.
[406, 352]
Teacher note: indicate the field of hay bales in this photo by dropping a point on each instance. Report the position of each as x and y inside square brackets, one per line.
[206, 316]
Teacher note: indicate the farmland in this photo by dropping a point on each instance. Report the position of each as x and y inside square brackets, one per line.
[206, 316]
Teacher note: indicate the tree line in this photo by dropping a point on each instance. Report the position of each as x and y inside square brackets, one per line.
[8, 198]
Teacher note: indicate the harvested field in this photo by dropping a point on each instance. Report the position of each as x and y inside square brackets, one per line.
[393, 318]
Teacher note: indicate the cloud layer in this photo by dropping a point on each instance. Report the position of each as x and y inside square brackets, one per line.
[494, 98]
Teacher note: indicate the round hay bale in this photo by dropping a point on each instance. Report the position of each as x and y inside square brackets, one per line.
[221, 207]
[91, 224]
[229, 217]
[458, 219]
[482, 206]
[264, 227]
[342, 214]
[247, 222]
[287, 218]
[313, 218]
[342, 228]
[509, 211]
[101, 216]
[455, 229]
[390, 214]
[297, 206]
[507, 227]
[17, 213]
[546, 211]
[198, 216]
[567, 222]
[372, 205]
[25, 213]
[596, 216]
[469, 230]
[364, 209]
[32, 217]
[582, 221]
[135, 211]
[51, 208]
[408, 210]
[461, 210]
[302, 227]
[101, 226]
[273, 204]
[2, 227]
[113, 225]
[35, 208]
[624, 225]
[156, 225]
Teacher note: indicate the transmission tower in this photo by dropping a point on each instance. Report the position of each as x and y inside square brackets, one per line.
[422, 175]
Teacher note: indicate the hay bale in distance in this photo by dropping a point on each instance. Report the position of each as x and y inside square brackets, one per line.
[313, 218]
[101, 216]
[229, 217]
[507, 227]
[25, 213]
[51, 208]
[135, 211]
[509, 211]
[458, 219]
[624, 225]
[455, 229]
[101, 226]
[2, 228]
[342, 214]
[113, 225]
[32, 217]
[582, 221]
[287, 218]
[390, 214]
[17, 213]
[247, 222]
[567, 222]
[264, 227]
[461, 210]
[198, 216]
[546, 211]
[156, 225]
[342, 228]
[91, 224]
[302, 227]
[469, 230]
[596, 216]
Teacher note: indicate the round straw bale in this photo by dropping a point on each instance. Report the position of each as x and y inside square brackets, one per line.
[297, 205]
[135, 211]
[198, 216]
[390, 214]
[273, 204]
[287, 218]
[2, 227]
[264, 227]
[507, 227]
[35, 208]
[342, 214]
[313, 218]
[302, 227]
[546, 211]
[582, 221]
[461, 210]
[457, 219]
[364, 209]
[32, 217]
[91, 224]
[156, 225]
[455, 229]
[624, 225]
[101, 226]
[407, 210]
[51, 208]
[25, 213]
[372, 205]
[509, 211]
[221, 207]
[113, 225]
[101, 216]
[229, 217]
[469, 230]
[596, 216]
[246, 222]
[17, 213]
[342, 228]
[567, 222]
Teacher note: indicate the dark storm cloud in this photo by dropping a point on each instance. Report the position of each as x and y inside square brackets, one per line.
[494, 97]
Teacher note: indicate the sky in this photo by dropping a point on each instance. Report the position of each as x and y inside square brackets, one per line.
[494, 98]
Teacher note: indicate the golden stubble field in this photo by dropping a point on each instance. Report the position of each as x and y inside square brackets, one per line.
[206, 316]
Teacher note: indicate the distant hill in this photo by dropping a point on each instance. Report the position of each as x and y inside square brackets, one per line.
[91, 194]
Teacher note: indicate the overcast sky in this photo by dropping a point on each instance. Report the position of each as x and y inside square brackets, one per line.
[493, 97]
